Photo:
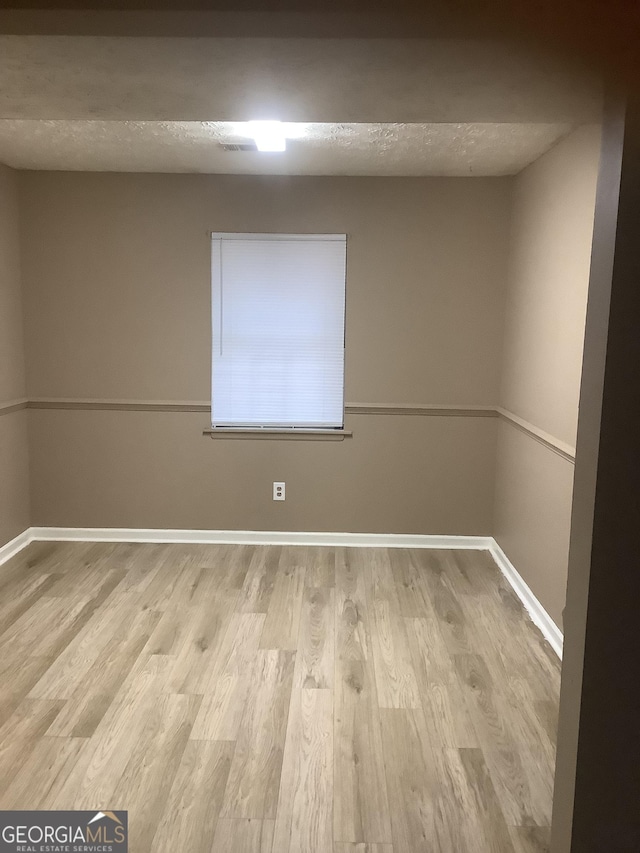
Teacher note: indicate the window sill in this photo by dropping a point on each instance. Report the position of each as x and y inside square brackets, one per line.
[290, 434]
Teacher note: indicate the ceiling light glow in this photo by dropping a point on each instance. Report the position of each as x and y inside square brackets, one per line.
[268, 135]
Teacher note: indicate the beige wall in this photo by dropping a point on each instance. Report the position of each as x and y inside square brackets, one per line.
[14, 472]
[117, 307]
[117, 279]
[551, 234]
[397, 474]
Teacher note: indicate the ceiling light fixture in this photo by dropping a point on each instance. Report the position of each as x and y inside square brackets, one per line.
[268, 135]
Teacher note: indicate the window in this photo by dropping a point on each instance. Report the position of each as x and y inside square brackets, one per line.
[278, 305]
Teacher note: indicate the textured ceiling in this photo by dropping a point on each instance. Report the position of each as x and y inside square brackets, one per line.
[374, 106]
[318, 80]
[323, 149]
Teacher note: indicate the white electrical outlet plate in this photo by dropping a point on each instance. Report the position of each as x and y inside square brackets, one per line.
[278, 491]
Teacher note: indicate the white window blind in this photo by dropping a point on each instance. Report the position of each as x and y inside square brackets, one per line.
[278, 303]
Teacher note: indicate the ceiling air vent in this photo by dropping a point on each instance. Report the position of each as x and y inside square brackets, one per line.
[238, 146]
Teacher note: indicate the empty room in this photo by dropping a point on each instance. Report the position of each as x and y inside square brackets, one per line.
[291, 341]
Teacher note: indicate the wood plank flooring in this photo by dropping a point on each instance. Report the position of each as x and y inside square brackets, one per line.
[250, 699]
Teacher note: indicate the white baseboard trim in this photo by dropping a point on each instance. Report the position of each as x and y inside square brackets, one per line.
[16, 545]
[536, 611]
[258, 537]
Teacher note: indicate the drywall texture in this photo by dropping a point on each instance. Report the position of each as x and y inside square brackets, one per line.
[14, 472]
[14, 476]
[12, 379]
[149, 469]
[533, 498]
[552, 228]
[117, 302]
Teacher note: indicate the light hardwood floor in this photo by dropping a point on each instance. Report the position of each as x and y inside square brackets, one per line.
[277, 699]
